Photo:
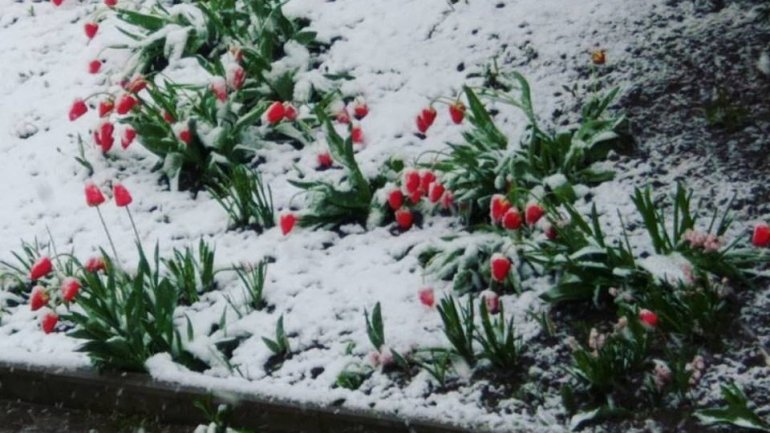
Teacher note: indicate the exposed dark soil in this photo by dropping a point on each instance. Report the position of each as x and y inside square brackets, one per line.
[698, 94]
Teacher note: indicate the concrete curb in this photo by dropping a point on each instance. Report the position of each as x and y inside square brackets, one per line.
[139, 395]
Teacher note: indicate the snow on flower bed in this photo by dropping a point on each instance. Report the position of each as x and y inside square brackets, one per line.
[402, 54]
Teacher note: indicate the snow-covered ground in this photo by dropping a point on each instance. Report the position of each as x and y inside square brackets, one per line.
[402, 53]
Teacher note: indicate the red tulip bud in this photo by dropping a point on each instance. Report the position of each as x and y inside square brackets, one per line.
[287, 222]
[38, 298]
[404, 218]
[126, 103]
[427, 297]
[122, 196]
[136, 85]
[78, 109]
[396, 199]
[457, 112]
[343, 117]
[128, 137]
[357, 135]
[411, 181]
[448, 200]
[91, 28]
[426, 179]
[95, 264]
[94, 66]
[435, 192]
[49, 321]
[69, 288]
[236, 76]
[325, 160]
[533, 213]
[500, 266]
[289, 112]
[761, 236]
[40, 268]
[360, 109]
[498, 206]
[185, 135]
[94, 196]
[275, 113]
[111, 3]
[219, 88]
[512, 219]
[104, 136]
[648, 318]
[106, 107]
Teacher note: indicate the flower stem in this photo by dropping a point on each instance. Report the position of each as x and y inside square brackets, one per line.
[133, 226]
[112, 244]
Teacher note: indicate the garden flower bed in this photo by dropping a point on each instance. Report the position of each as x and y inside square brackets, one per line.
[431, 211]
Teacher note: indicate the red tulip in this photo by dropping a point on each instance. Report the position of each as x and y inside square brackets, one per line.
[236, 76]
[533, 213]
[648, 318]
[427, 297]
[219, 88]
[448, 200]
[457, 112]
[415, 196]
[136, 85]
[422, 125]
[287, 222]
[396, 199]
[324, 160]
[49, 321]
[78, 109]
[360, 109]
[404, 218]
[761, 237]
[551, 233]
[343, 117]
[498, 206]
[425, 119]
[500, 267]
[106, 107]
[70, 288]
[426, 179]
[289, 112]
[168, 117]
[411, 181]
[435, 192]
[128, 137]
[185, 135]
[111, 3]
[57, 2]
[357, 135]
[95, 264]
[126, 103]
[94, 66]
[275, 113]
[104, 136]
[38, 298]
[512, 219]
[94, 196]
[40, 268]
[122, 196]
[429, 115]
[91, 28]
